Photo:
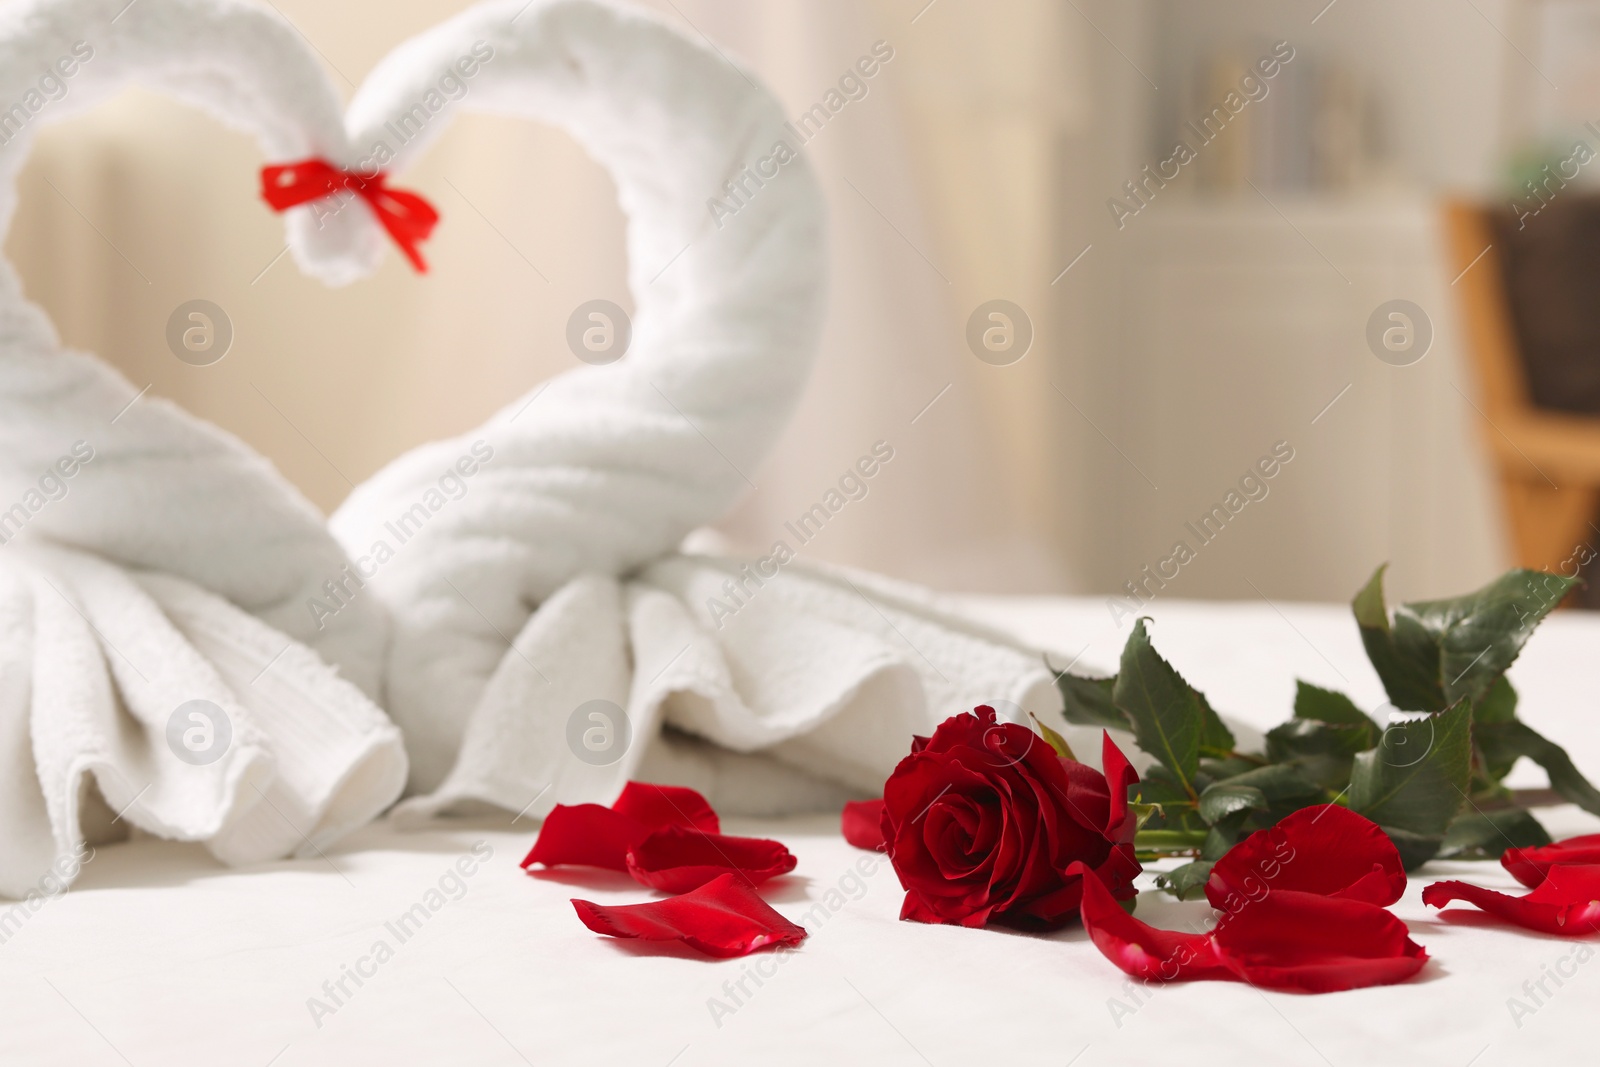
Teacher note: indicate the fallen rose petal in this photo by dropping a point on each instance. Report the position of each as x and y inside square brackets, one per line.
[586, 835]
[1326, 850]
[1565, 903]
[590, 835]
[862, 824]
[723, 918]
[1310, 943]
[656, 806]
[1139, 949]
[1528, 865]
[676, 860]
[1288, 940]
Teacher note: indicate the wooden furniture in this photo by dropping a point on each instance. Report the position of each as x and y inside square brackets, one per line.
[1548, 462]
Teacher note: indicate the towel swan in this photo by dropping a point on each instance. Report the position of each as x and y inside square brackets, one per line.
[554, 583]
[173, 564]
[181, 566]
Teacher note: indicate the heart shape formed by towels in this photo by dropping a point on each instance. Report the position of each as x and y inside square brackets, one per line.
[181, 566]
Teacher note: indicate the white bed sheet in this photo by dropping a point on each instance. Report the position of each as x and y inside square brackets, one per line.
[160, 956]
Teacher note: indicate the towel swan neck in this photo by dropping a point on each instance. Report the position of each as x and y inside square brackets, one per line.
[604, 468]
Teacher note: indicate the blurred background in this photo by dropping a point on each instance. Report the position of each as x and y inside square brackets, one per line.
[1343, 242]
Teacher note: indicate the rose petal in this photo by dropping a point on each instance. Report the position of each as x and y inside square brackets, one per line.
[1566, 903]
[1326, 850]
[1138, 948]
[1288, 940]
[1528, 865]
[723, 918]
[588, 835]
[862, 824]
[1311, 943]
[1120, 777]
[656, 806]
[676, 860]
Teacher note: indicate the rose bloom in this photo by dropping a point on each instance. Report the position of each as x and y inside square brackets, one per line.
[982, 820]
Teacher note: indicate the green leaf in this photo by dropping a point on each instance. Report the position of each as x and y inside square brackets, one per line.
[1284, 788]
[1487, 834]
[1227, 767]
[1503, 742]
[1168, 718]
[1415, 780]
[1325, 705]
[1159, 787]
[1480, 634]
[1216, 740]
[1439, 651]
[1414, 849]
[1186, 882]
[1499, 704]
[1410, 678]
[1225, 798]
[1322, 752]
[1057, 742]
[1088, 702]
[1223, 836]
[1495, 758]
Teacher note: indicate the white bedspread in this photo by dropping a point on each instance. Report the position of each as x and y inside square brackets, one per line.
[160, 955]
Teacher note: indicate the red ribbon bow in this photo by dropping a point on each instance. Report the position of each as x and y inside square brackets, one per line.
[408, 217]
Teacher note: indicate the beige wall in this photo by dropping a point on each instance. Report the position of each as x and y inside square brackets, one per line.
[977, 167]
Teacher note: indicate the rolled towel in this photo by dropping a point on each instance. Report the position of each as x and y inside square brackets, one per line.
[552, 582]
[148, 559]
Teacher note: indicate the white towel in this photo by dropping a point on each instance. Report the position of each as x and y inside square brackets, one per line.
[523, 575]
[823, 675]
[551, 582]
[147, 559]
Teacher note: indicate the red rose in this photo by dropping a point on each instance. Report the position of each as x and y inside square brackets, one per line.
[983, 820]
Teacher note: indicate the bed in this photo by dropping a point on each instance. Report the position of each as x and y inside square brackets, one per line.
[159, 955]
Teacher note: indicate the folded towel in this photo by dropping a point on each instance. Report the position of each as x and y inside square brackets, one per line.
[180, 649]
[542, 588]
[147, 559]
[822, 675]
